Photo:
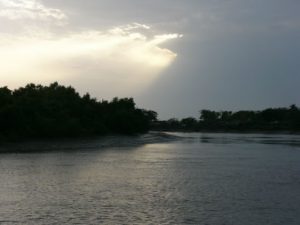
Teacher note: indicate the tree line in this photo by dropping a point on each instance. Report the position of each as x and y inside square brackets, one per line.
[271, 119]
[58, 111]
[37, 111]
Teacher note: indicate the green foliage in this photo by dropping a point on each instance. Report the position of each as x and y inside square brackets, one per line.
[59, 111]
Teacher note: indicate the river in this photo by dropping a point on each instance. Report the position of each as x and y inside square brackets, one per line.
[158, 178]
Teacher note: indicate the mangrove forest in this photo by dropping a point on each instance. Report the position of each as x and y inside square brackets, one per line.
[57, 111]
[37, 111]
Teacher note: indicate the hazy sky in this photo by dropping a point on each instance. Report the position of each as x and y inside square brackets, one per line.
[173, 56]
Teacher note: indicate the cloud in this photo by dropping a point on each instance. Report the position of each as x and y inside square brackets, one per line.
[124, 58]
[32, 10]
[38, 45]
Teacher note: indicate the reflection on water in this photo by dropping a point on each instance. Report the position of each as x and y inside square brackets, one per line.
[153, 179]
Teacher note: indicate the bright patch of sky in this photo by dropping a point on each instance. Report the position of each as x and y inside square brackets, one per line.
[126, 57]
[176, 57]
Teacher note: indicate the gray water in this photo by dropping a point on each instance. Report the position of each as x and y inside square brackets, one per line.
[213, 179]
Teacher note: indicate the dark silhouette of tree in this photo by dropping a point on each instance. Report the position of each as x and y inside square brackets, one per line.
[271, 119]
[59, 111]
[209, 116]
[189, 123]
[293, 117]
[225, 115]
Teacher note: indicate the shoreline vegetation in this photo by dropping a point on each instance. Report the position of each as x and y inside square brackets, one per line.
[270, 120]
[57, 111]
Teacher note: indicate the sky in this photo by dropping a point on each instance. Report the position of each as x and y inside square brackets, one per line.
[173, 56]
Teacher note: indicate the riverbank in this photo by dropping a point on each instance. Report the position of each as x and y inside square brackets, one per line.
[87, 143]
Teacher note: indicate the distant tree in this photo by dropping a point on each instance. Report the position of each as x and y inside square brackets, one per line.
[173, 123]
[209, 116]
[225, 116]
[150, 115]
[273, 115]
[243, 116]
[294, 117]
[5, 95]
[189, 123]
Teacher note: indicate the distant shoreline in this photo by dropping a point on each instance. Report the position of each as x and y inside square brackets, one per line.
[57, 111]
[161, 133]
[85, 142]
[100, 143]
[151, 136]
[234, 131]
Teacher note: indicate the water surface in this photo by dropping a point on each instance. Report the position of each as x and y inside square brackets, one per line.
[213, 179]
